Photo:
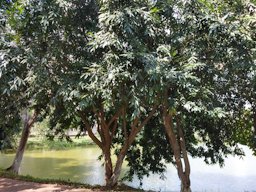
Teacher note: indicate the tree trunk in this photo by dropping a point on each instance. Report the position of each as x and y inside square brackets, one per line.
[28, 123]
[177, 143]
[185, 188]
[119, 163]
[183, 175]
[111, 177]
[116, 174]
[183, 150]
[108, 167]
[129, 140]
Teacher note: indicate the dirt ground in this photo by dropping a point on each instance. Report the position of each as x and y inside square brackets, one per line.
[11, 185]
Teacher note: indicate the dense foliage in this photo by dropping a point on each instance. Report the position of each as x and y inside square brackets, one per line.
[11, 80]
[157, 80]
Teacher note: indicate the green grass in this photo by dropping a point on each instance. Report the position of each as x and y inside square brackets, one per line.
[35, 143]
[10, 175]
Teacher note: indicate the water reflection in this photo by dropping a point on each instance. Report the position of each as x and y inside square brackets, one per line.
[81, 165]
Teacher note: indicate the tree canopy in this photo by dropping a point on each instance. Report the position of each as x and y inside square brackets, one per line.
[158, 79]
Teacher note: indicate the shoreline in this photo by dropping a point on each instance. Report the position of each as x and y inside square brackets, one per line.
[9, 180]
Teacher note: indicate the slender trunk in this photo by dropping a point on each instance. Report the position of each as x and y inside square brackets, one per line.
[186, 183]
[104, 144]
[119, 163]
[178, 148]
[183, 175]
[108, 167]
[136, 128]
[117, 171]
[28, 123]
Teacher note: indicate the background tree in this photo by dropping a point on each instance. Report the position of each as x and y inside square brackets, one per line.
[54, 42]
[15, 84]
[9, 124]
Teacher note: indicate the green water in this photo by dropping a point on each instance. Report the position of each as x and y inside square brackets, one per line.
[81, 165]
[77, 164]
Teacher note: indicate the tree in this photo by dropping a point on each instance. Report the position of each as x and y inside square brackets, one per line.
[6, 79]
[194, 71]
[100, 81]
[45, 51]
[20, 84]
[111, 93]
[135, 68]
[14, 86]
[91, 80]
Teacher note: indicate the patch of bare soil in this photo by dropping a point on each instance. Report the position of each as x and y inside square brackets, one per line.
[12, 185]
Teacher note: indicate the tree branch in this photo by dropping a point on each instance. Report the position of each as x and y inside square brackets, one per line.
[113, 131]
[117, 114]
[33, 118]
[90, 132]
[150, 115]
[124, 124]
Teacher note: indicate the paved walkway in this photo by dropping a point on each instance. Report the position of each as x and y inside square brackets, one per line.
[11, 185]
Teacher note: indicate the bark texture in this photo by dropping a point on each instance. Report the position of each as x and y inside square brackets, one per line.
[28, 123]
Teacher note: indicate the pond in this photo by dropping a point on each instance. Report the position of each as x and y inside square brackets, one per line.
[81, 165]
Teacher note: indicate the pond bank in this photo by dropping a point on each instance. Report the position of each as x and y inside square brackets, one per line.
[10, 182]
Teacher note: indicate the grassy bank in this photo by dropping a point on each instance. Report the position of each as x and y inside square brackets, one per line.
[35, 143]
[28, 178]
